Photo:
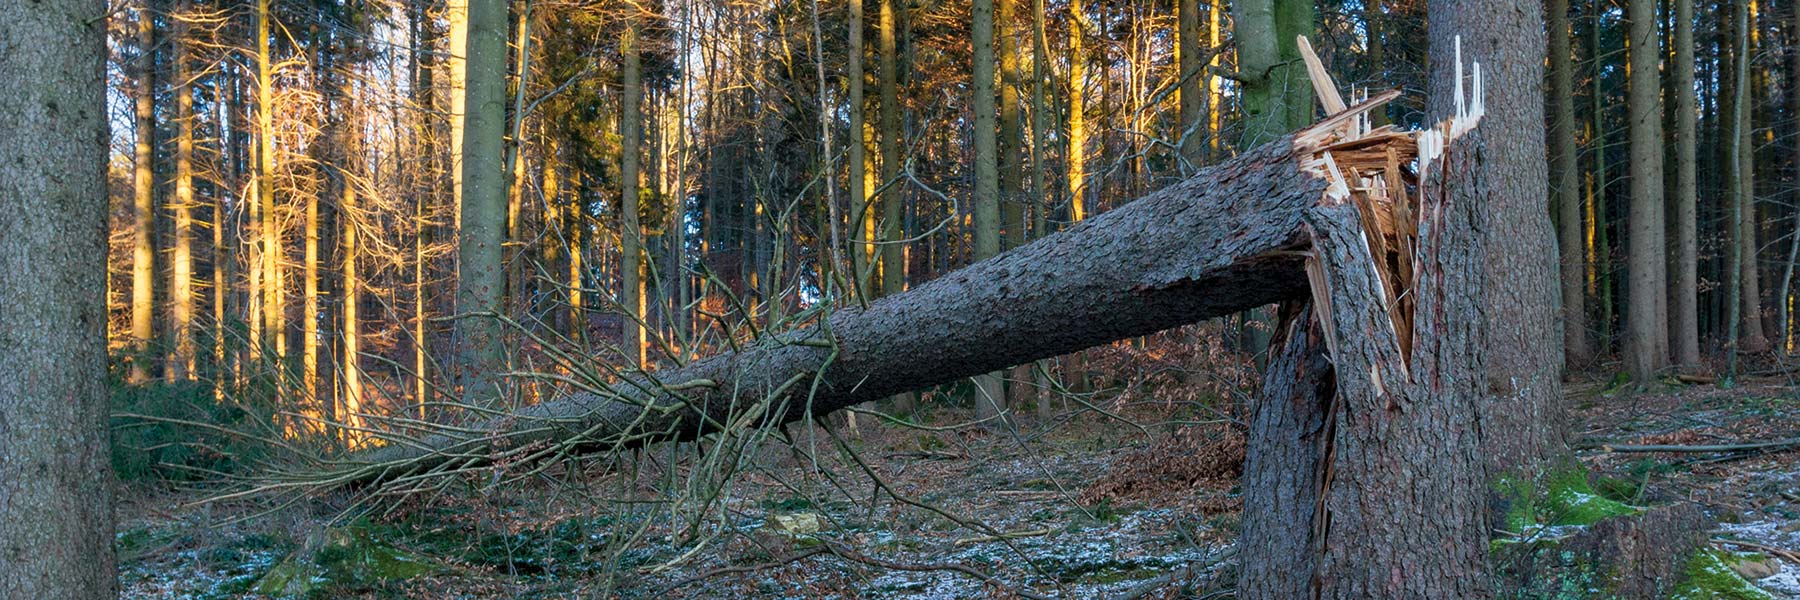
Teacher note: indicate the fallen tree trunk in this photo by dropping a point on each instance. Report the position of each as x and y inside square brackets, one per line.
[1228, 239]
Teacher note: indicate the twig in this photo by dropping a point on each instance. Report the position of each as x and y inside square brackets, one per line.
[1010, 535]
[1625, 448]
[1790, 555]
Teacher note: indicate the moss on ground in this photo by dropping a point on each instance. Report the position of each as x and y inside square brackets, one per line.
[1709, 576]
[1560, 497]
[348, 560]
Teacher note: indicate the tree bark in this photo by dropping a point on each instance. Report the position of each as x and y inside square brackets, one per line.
[480, 280]
[143, 188]
[1220, 242]
[181, 260]
[1685, 338]
[56, 483]
[1565, 179]
[1521, 411]
[1363, 479]
[1646, 326]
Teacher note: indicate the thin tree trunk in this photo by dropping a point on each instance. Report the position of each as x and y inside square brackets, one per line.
[1685, 338]
[989, 393]
[273, 307]
[893, 253]
[1077, 89]
[56, 483]
[1784, 298]
[143, 254]
[632, 234]
[1193, 96]
[181, 258]
[1565, 176]
[1740, 321]
[862, 220]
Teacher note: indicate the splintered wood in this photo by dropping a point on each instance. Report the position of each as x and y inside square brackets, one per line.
[1377, 170]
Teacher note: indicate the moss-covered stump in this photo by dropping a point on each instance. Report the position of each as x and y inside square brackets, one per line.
[1640, 556]
[340, 560]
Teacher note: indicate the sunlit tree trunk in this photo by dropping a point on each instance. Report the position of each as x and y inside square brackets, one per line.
[632, 233]
[309, 318]
[1077, 90]
[351, 406]
[481, 281]
[143, 253]
[181, 258]
[861, 218]
[1685, 338]
[273, 305]
[56, 482]
[222, 255]
[456, 16]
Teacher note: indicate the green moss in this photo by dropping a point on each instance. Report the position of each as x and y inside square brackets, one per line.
[1709, 576]
[349, 560]
[1559, 497]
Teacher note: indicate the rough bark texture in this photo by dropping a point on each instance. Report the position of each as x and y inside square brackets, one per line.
[1400, 432]
[480, 281]
[1215, 244]
[1520, 420]
[1641, 555]
[56, 513]
[1285, 465]
[1647, 329]
[1684, 338]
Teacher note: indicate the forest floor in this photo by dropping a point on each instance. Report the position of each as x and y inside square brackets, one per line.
[1080, 507]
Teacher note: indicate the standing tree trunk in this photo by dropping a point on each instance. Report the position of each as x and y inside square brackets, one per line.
[1648, 330]
[1744, 333]
[350, 408]
[456, 61]
[989, 393]
[1783, 298]
[862, 219]
[143, 187]
[481, 282]
[1685, 338]
[181, 267]
[631, 236]
[893, 253]
[1077, 154]
[1520, 410]
[1193, 96]
[1565, 178]
[1360, 474]
[56, 483]
[273, 305]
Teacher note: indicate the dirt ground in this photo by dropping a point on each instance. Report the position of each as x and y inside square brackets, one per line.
[1136, 501]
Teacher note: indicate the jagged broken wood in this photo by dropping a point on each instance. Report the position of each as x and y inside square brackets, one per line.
[1230, 238]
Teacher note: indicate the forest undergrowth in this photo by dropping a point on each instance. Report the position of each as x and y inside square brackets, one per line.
[1128, 490]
